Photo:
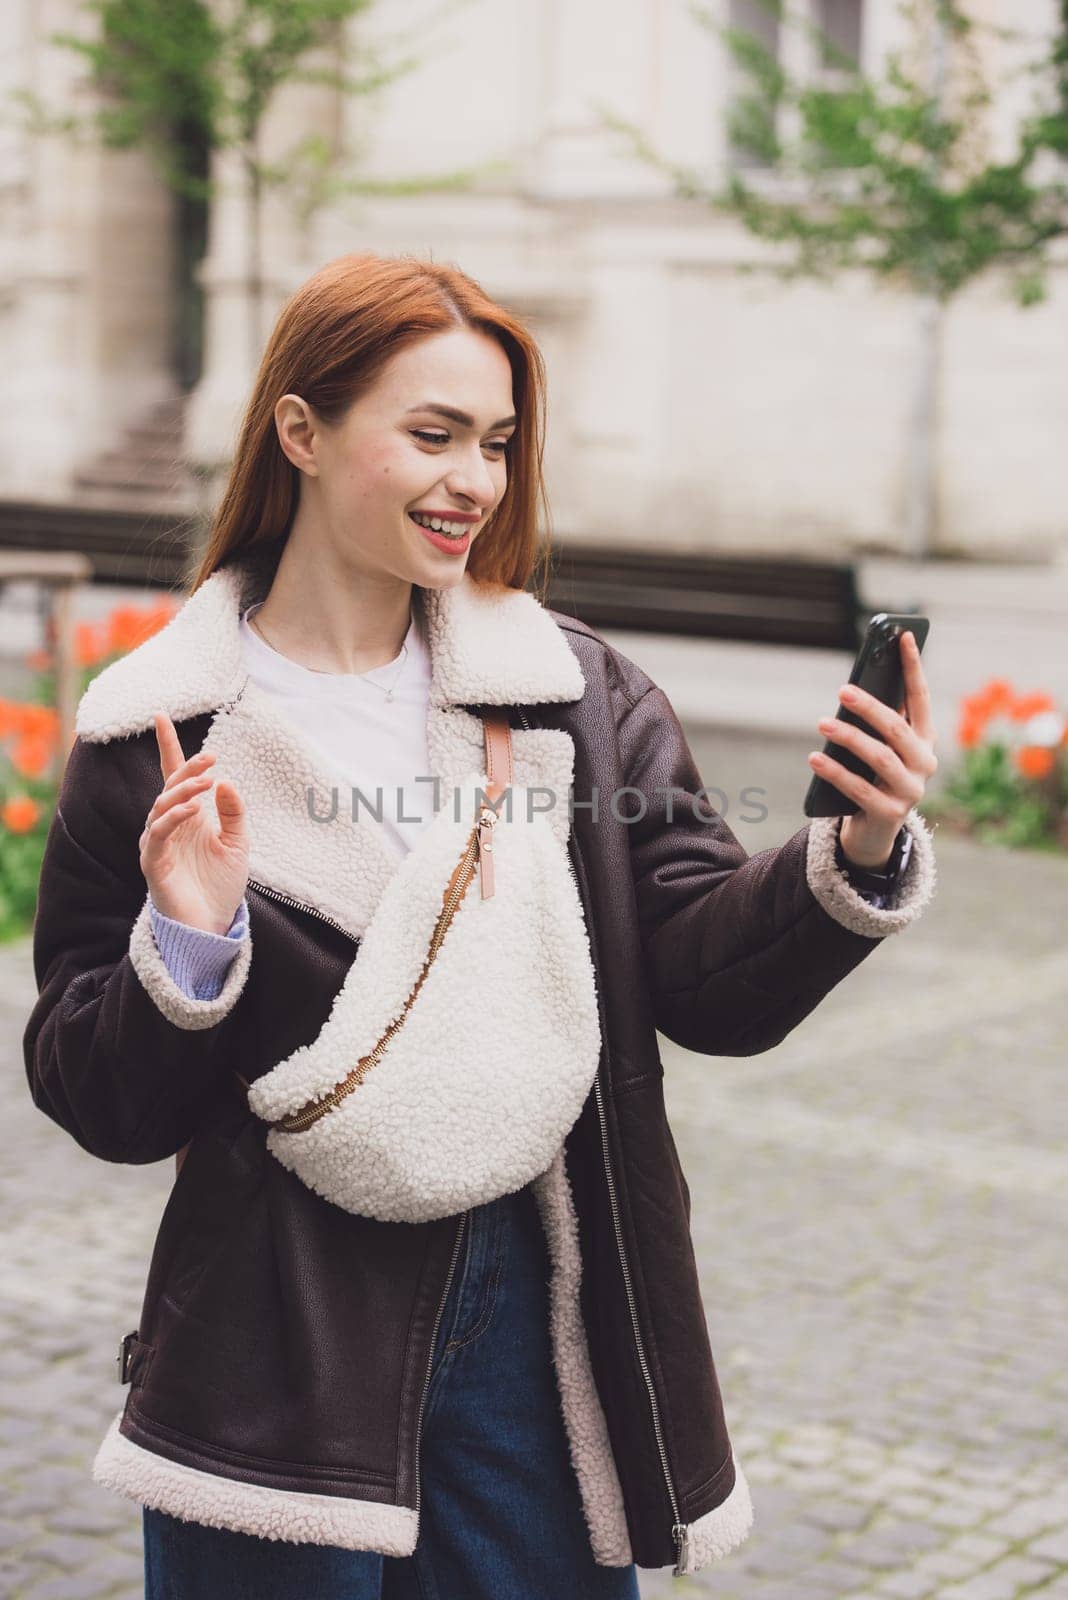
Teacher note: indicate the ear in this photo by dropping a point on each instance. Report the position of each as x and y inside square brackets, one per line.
[298, 431]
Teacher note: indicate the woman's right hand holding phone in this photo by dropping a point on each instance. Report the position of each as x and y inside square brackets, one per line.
[195, 873]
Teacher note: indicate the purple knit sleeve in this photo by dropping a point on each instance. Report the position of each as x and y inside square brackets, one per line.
[198, 961]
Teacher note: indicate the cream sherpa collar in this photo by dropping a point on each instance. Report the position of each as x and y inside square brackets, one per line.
[489, 645]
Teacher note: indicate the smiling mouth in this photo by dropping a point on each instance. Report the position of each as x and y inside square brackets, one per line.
[442, 533]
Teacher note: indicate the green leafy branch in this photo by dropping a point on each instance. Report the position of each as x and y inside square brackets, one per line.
[886, 174]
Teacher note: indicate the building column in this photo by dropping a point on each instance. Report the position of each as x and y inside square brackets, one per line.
[48, 197]
[609, 51]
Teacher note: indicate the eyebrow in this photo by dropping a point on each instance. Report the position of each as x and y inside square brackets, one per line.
[460, 416]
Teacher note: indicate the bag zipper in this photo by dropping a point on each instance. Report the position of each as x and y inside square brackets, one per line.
[477, 855]
[680, 1532]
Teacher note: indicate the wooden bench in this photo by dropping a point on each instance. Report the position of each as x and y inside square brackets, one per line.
[762, 599]
[770, 600]
[140, 548]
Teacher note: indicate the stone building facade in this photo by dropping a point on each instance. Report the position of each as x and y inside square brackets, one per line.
[689, 403]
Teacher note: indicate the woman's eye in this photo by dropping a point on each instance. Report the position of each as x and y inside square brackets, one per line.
[500, 445]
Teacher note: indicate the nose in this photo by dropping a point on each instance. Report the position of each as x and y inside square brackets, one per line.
[472, 480]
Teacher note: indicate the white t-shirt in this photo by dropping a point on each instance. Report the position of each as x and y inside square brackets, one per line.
[370, 743]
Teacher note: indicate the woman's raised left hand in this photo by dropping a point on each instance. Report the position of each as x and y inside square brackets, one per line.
[902, 765]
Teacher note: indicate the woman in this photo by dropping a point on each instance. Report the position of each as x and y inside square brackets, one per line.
[517, 1397]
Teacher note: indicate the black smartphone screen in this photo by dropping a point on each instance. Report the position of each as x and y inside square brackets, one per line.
[877, 669]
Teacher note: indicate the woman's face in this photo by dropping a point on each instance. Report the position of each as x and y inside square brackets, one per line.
[395, 452]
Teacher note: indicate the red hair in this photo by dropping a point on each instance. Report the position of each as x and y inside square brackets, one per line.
[332, 339]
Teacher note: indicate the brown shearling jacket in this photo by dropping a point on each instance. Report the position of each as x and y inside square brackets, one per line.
[277, 1373]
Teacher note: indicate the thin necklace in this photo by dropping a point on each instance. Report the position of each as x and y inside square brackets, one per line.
[370, 681]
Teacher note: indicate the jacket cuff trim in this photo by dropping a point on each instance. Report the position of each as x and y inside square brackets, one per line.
[834, 892]
[172, 1001]
[584, 1419]
[722, 1529]
[217, 1502]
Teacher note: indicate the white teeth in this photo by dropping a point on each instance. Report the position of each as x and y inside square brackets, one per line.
[453, 529]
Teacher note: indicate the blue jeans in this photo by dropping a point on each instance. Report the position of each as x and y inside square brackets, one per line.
[501, 1514]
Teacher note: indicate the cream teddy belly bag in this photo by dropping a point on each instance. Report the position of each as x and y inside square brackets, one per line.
[462, 1045]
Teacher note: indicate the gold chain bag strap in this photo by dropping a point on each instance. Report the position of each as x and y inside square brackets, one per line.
[477, 856]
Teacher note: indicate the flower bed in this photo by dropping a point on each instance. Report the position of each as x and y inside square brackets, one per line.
[1011, 784]
[30, 755]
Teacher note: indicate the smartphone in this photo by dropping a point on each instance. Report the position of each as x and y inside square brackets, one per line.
[877, 669]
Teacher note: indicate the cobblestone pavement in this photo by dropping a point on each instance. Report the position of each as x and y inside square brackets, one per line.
[879, 1208]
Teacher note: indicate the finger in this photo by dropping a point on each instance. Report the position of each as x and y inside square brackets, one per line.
[178, 792]
[876, 802]
[895, 775]
[917, 694]
[906, 740]
[231, 809]
[171, 754]
[162, 828]
[195, 764]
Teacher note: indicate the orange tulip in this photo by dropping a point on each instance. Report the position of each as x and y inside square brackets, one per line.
[158, 616]
[970, 730]
[39, 722]
[122, 629]
[38, 660]
[996, 697]
[32, 756]
[27, 720]
[88, 645]
[1029, 705]
[129, 626]
[20, 813]
[1034, 760]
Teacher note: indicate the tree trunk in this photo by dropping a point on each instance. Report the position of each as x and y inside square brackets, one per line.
[190, 244]
[921, 497]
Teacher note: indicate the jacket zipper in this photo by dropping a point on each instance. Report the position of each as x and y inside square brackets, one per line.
[288, 900]
[430, 1364]
[276, 894]
[680, 1532]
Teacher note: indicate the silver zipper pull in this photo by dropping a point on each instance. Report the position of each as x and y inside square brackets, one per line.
[681, 1535]
[486, 823]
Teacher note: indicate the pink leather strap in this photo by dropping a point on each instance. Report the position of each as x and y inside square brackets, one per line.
[498, 737]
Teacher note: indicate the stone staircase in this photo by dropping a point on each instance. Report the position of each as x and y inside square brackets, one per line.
[146, 470]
